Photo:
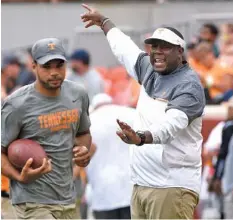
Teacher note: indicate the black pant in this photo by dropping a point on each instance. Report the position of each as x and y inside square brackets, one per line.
[121, 213]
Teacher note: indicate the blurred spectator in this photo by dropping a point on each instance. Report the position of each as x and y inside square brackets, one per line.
[222, 183]
[195, 55]
[209, 33]
[207, 207]
[124, 90]
[82, 73]
[210, 70]
[27, 75]
[109, 170]
[11, 68]
[104, 75]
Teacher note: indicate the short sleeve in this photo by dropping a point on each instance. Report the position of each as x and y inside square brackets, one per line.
[85, 122]
[141, 66]
[188, 97]
[10, 123]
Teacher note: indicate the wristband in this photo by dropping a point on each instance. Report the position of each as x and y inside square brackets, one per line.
[104, 22]
[142, 135]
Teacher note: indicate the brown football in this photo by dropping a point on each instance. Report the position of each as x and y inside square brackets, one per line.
[21, 150]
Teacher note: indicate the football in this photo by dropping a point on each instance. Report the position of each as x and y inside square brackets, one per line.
[21, 150]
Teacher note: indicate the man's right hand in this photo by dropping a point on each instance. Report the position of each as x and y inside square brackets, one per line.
[28, 174]
[93, 17]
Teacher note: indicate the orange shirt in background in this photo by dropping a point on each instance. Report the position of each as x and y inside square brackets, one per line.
[123, 89]
[5, 183]
[215, 75]
[212, 75]
[199, 68]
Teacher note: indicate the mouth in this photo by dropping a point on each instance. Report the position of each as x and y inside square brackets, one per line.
[159, 63]
[55, 81]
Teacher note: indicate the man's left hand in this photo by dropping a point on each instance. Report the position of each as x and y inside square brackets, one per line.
[127, 134]
[81, 156]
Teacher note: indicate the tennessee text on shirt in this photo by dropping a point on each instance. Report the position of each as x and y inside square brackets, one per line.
[58, 120]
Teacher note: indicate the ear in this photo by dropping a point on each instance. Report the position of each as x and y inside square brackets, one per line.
[180, 50]
[34, 65]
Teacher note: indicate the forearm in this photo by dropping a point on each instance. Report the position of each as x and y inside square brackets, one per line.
[108, 26]
[76, 171]
[149, 137]
[7, 169]
[168, 130]
[84, 140]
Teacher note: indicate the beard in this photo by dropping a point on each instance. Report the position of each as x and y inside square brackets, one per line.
[49, 85]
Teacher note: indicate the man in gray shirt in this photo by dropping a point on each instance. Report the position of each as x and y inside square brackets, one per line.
[53, 112]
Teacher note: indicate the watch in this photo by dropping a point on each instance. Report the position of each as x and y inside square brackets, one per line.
[142, 135]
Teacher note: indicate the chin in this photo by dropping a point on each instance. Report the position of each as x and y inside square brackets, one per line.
[55, 86]
[160, 71]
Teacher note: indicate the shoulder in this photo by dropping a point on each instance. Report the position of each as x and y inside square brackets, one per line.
[19, 97]
[189, 81]
[188, 85]
[143, 68]
[143, 57]
[143, 60]
[190, 88]
[75, 90]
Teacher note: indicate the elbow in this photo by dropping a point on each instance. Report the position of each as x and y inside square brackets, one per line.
[162, 138]
[165, 134]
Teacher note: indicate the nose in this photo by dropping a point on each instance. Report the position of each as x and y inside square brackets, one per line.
[54, 72]
[158, 49]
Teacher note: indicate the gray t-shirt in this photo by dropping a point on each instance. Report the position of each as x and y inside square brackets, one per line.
[181, 88]
[53, 122]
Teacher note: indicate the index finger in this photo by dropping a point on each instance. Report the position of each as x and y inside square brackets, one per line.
[81, 153]
[123, 125]
[87, 7]
[42, 167]
[77, 148]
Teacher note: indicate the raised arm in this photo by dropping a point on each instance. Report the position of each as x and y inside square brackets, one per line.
[125, 50]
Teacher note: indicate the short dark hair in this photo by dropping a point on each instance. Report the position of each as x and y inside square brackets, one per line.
[213, 28]
[175, 31]
[81, 55]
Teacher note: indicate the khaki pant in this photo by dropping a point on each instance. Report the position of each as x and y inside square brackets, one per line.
[163, 203]
[7, 209]
[43, 211]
